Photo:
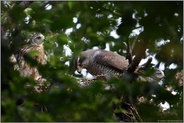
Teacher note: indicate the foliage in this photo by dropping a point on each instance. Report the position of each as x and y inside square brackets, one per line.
[91, 24]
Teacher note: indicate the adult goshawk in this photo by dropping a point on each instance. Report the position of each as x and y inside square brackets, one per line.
[101, 63]
[104, 64]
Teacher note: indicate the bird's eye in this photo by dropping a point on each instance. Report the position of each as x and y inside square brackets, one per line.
[38, 37]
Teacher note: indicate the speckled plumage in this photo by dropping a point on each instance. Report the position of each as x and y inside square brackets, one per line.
[35, 50]
[101, 63]
[35, 44]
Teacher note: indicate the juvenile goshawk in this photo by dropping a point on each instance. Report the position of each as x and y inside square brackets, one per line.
[101, 63]
[156, 75]
[34, 49]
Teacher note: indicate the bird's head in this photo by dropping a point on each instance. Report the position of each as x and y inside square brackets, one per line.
[78, 63]
[156, 75]
[82, 61]
[159, 74]
[36, 39]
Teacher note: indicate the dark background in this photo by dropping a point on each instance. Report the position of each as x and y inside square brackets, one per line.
[161, 21]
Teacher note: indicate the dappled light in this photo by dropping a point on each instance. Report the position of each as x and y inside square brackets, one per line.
[40, 77]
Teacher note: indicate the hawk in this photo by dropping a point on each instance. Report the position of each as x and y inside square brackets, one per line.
[104, 64]
[156, 76]
[33, 49]
[101, 63]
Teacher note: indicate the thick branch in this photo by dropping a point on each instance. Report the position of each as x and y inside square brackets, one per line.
[129, 53]
[140, 53]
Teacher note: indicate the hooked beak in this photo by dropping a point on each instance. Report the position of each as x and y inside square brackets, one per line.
[77, 65]
[79, 69]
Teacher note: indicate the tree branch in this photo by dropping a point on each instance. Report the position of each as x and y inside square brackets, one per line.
[141, 48]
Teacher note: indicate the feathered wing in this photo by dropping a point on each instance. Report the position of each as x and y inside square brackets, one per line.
[21, 63]
[111, 59]
[28, 54]
[34, 52]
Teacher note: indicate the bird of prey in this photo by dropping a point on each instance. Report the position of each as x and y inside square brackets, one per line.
[104, 64]
[101, 63]
[156, 75]
[34, 49]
